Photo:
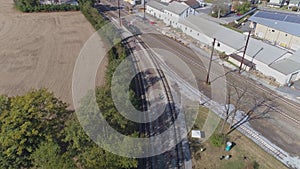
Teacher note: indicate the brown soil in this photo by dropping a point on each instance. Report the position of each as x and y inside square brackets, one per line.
[39, 50]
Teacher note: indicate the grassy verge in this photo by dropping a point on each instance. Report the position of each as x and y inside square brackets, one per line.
[232, 63]
[245, 153]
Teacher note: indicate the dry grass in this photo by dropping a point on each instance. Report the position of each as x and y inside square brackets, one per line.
[209, 159]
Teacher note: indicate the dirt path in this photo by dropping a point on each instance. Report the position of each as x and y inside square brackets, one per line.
[39, 50]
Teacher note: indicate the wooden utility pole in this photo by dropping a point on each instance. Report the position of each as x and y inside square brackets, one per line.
[119, 12]
[144, 9]
[244, 52]
[211, 55]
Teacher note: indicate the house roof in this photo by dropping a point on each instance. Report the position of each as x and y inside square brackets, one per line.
[296, 56]
[289, 23]
[286, 66]
[261, 51]
[177, 7]
[156, 5]
[192, 3]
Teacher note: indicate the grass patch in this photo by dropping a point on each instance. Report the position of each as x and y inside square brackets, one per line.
[201, 117]
[235, 164]
[244, 147]
[232, 63]
[218, 140]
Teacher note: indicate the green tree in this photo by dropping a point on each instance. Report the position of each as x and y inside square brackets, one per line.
[90, 155]
[243, 8]
[28, 121]
[48, 156]
[96, 157]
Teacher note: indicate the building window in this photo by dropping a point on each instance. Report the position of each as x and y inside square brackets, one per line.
[185, 28]
[273, 30]
[191, 30]
[285, 34]
[197, 34]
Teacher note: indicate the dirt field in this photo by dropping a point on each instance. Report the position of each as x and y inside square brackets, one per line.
[40, 49]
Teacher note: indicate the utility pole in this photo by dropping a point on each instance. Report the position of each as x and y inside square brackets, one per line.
[244, 52]
[209, 66]
[119, 12]
[144, 9]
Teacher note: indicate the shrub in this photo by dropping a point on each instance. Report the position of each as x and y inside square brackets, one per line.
[294, 8]
[243, 8]
[255, 165]
[218, 140]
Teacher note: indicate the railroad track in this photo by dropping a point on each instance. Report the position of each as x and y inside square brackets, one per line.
[172, 111]
[157, 126]
[193, 61]
[147, 128]
[140, 89]
[245, 129]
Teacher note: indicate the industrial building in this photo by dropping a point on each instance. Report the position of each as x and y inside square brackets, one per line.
[281, 29]
[281, 64]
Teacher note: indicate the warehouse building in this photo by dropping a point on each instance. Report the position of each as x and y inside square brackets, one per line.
[272, 61]
[281, 29]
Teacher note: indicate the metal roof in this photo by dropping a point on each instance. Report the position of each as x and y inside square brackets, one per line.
[176, 7]
[261, 51]
[296, 56]
[289, 23]
[286, 66]
[156, 5]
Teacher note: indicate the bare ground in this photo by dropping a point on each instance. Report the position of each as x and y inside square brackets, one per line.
[39, 50]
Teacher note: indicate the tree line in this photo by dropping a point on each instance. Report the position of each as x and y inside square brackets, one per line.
[36, 6]
[38, 131]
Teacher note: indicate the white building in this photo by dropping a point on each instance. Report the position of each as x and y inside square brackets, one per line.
[276, 3]
[294, 3]
[279, 28]
[166, 1]
[270, 60]
[156, 9]
[176, 11]
[170, 13]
